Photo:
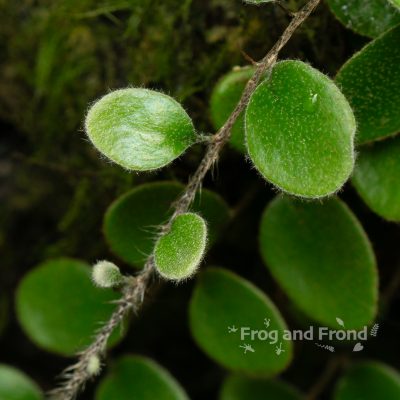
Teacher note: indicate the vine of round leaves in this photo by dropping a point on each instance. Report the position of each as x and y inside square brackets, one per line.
[299, 132]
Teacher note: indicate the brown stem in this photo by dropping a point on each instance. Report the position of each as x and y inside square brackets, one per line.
[75, 377]
[327, 374]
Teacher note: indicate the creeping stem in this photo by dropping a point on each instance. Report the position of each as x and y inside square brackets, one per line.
[75, 376]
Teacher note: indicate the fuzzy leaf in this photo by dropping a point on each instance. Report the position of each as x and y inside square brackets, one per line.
[366, 17]
[15, 385]
[369, 381]
[238, 387]
[300, 130]
[377, 177]
[221, 304]
[371, 80]
[130, 223]
[135, 377]
[139, 129]
[59, 308]
[178, 253]
[321, 257]
[225, 97]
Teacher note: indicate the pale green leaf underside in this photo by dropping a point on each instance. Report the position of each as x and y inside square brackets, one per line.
[224, 98]
[371, 80]
[300, 131]
[369, 381]
[222, 299]
[321, 257]
[15, 385]
[178, 253]
[130, 223]
[366, 17]
[239, 387]
[136, 377]
[377, 177]
[139, 129]
[59, 308]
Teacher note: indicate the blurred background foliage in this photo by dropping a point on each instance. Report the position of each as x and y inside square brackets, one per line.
[56, 57]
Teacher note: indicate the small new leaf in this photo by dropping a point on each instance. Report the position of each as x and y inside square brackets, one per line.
[94, 365]
[178, 253]
[105, 274]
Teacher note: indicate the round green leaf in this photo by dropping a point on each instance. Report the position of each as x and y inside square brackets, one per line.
[376, 178]
[222, 302]
[369, 381]
[15, 385]
[130, 223]
[395, 3]
[60, 309]
[134, 377]
[322, 258]
[237, 387]
[224, 99]
[139, 129]
[370, 80]
[300, 130]
[366, 17]
[178, 253]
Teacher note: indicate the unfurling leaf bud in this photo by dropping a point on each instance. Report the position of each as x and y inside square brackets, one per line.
[105, 274]
[93, 365]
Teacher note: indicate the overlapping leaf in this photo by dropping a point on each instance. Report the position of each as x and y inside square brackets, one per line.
[59, 308]
[224, 303]
[321, 257]
[135, 377]
[130, 224]
[370, 80]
